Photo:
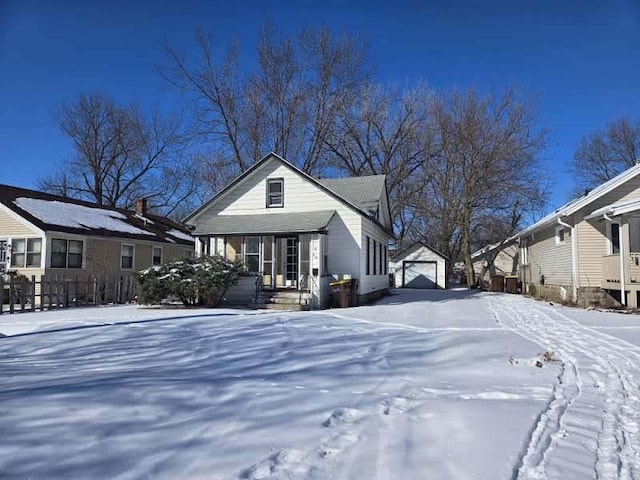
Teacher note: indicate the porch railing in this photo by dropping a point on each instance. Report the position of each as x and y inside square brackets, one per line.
[611, 268]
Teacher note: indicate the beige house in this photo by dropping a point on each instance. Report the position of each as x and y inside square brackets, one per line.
[588, 250]
[43, 234]
[498, 259]
[295, 233]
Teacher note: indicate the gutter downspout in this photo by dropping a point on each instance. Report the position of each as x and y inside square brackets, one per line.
[623, 295]
[574, 258]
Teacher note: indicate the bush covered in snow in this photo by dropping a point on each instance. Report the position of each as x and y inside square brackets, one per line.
[200, 281]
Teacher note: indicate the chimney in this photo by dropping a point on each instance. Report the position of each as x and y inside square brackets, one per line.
[141, 206]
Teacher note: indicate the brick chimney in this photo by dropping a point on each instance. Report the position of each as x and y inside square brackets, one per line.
[141, 206]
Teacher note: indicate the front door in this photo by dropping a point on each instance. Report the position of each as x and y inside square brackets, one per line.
[290, 257]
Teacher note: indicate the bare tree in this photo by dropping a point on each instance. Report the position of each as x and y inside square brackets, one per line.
[487, 166]
[604, 154]
[288, 103]
[385, 133]
[121, 154]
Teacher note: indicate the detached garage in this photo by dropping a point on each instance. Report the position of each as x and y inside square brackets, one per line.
[419, 266]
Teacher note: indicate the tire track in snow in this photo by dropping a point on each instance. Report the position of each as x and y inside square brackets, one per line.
[590, 427]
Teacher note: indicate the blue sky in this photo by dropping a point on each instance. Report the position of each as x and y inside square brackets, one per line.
[579, 57]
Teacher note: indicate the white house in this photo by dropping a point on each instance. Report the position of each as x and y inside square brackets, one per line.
[419, 266]
[295, 233]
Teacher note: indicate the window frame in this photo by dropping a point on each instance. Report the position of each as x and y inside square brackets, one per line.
[67, 253]
[257, 254]
[153, 256]
[613, 247]
[273, 181]
[368, 269]
[560, 235]
[133, 255]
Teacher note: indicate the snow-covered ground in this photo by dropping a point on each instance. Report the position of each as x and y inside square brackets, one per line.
[425, 384]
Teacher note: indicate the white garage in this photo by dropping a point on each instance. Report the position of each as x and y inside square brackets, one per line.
[419, 266]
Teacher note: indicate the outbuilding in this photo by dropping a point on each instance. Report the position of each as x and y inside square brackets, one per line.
[419, 266]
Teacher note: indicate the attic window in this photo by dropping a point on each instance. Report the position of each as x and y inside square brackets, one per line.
[275, 192]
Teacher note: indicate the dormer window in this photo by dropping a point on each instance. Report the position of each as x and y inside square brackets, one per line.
[275, 192]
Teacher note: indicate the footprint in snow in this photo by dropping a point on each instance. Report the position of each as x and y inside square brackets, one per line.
[280, 461]
[343, 415]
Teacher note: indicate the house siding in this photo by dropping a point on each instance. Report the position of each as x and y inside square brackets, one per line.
[380, 281]
[102, 257]
[12, 227]
[548, 259]
[592, 246]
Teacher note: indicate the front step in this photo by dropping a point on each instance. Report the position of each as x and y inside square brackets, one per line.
[283, 300]
[282, 306]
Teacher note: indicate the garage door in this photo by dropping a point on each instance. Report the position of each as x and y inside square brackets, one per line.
[419, 274]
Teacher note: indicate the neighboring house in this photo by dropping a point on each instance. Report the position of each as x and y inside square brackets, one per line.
[498, 259]
[419, 266]
[43, 234]
[297, 233]
[589, 246]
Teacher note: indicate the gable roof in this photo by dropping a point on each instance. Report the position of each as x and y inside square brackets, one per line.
[364, 192]
[578, 203]
[61, 214]
[365, 189]
[411, 247]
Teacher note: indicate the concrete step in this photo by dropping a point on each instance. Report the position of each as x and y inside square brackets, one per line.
[282, 306]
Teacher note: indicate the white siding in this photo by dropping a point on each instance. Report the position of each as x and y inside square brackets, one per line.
[380, 281]
[548, 259]
[423, 254]
[345, 231]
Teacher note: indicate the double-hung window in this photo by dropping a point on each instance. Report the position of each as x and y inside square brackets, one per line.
[66, 253]
[156, 258]
[126, 256]
[252, 254]
[275, 192]
[26, 252]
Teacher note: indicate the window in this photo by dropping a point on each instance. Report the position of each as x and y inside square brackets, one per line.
[615, 238]
[560, 235]
[375, 263]
[368, 257]
[386, 261]
[18, 248]
[156, 258]
[275, 192]
[524, 252]
[252, 254]
[66, 253]
[381, 267]
[126, 256]
[34, 252]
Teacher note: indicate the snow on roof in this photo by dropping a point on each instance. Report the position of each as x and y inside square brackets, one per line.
[77, 216]
[181, 235]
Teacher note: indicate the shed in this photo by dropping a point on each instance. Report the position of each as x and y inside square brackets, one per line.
[419, 266]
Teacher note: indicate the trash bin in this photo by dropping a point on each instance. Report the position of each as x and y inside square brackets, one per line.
[497, 283]
[511, 283]
[343, 292]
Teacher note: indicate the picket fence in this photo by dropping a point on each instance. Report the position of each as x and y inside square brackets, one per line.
[23, 294]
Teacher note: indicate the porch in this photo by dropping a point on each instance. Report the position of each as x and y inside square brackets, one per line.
[287, 270]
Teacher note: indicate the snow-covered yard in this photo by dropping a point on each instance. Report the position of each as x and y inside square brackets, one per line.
[425, 384]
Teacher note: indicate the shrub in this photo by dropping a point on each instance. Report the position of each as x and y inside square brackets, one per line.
[200, 281]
